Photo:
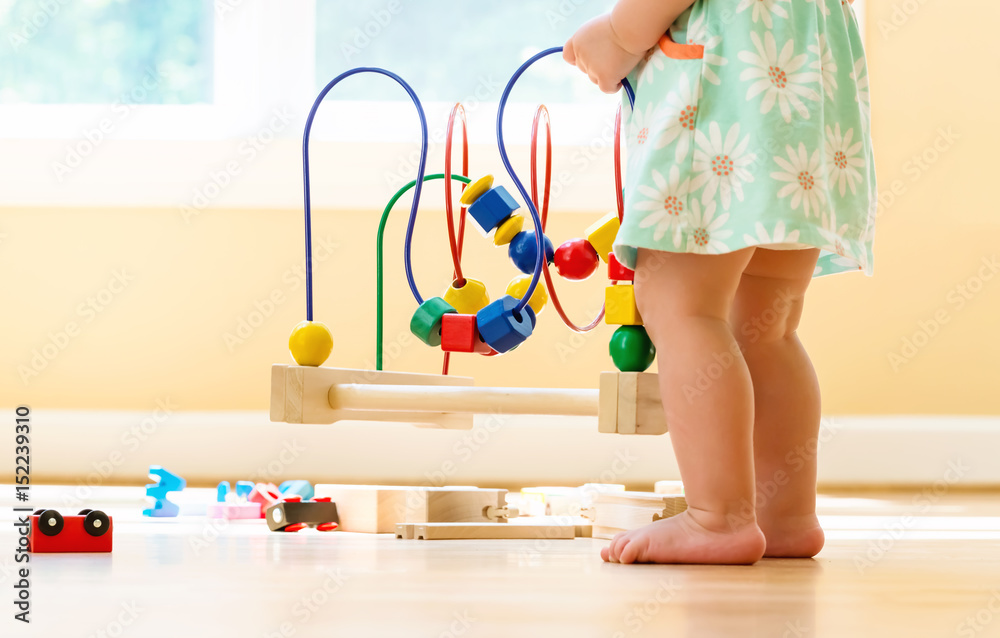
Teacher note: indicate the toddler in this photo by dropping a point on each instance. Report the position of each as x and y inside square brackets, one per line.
[750, 171]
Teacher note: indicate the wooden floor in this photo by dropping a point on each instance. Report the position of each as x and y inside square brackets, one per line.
[895, 565]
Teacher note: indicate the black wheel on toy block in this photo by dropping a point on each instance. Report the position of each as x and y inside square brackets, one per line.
[84, 512]
[96, 523]
[50, 522]
[38, 511]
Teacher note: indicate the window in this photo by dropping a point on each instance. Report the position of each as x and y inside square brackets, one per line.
[139, 52]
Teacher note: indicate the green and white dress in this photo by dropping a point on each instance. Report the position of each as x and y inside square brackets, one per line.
[751, 127]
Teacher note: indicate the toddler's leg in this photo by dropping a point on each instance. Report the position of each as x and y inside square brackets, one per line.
[765, 316]
[685, 301]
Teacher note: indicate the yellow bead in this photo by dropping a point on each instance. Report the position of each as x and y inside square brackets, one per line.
[601, 234]
[619, 306]
[310, 343]
[469, 299]
[519, 285]
[475, 190]
[508, 229]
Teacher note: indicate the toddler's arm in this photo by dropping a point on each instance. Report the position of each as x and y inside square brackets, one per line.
[609, 46]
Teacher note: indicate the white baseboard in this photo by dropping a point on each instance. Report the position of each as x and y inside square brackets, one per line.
[79, 448]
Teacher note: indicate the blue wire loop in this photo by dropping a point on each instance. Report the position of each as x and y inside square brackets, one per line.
[539, 248]
[416, 191]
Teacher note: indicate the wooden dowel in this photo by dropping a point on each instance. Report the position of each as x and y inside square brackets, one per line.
[459, 399]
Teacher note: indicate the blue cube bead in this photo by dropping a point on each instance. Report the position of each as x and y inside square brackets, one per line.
[492, 207]
[500, 328]
[523, 249]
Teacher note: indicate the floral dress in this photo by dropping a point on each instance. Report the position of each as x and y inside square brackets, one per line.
[751, 127]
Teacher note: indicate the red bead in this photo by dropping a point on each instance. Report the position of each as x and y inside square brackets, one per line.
[576, 260]
[459, 334]
[618, 272]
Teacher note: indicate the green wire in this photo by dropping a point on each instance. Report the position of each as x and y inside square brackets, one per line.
[378, 258]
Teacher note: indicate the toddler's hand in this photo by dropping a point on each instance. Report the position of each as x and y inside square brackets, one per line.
[596, 50]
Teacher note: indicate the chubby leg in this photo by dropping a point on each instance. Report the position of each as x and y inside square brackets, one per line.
[765, 315]
[685, 301]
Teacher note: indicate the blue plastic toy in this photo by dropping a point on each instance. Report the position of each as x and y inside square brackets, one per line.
[297, 487]
[222, 491]
[243, 489]
[166, 481]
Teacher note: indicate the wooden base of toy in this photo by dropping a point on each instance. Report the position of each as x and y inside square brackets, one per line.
[630, 404]
[375, 509]
[456, 531]
[626, 403]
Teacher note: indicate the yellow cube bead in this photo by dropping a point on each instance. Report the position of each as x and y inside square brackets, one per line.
[476, 189]
[469, 299]
[519, 285]
[508, 229]
[601, 234]
[619, 306]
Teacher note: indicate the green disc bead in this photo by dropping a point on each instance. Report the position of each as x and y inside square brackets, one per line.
[631, 349]
[426, 321]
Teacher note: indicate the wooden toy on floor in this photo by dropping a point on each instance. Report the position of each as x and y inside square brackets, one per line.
[376, 509]
[88, 531]
[456, 531]
[616, 512]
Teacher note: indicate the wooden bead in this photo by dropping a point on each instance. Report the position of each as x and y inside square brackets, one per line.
[508, 230]
[519, 285]
[459, 334]
[476, 189]
[576, 260]
[492, 207]
[469, 299]
[523, 249]
[618, 272]
[631, 349]
[619, 306]
[501, 328]
[310, 343]
[426, 321]
[601, 234]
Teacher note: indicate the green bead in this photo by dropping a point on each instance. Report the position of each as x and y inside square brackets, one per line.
[631, 349]
[426, 321]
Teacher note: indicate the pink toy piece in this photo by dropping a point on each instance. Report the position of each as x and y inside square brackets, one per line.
[235, 511]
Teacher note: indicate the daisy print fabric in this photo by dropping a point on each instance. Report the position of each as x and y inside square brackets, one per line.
[751, 127]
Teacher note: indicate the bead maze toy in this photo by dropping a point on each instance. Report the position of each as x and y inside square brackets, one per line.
[464, 319]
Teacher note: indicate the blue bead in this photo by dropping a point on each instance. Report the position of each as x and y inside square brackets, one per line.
[222, 491]
[243, 489]
[500, 328]
[299, 487]
[492, 207]
[522, 251]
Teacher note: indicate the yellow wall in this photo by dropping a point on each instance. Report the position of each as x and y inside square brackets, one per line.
[162, 335]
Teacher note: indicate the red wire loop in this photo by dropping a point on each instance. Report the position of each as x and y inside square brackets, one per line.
[456, 243]
[544, 211]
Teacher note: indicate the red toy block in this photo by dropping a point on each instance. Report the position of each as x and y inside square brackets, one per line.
[618, 272]
[459, 334]
[266, 494]
[88, 531]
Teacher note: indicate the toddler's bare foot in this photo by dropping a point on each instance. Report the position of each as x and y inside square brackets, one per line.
[791, 536]
[683, 539]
